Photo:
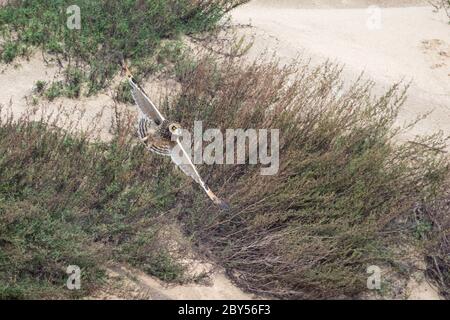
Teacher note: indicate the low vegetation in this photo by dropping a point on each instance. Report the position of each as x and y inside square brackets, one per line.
[109, 31]
[65, 201]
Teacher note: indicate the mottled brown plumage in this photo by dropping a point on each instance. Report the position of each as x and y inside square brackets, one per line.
[161, 136]
[157, 138]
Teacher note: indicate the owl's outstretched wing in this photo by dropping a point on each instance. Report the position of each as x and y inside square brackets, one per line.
[178, 154]
[183, 161]
[146, 106]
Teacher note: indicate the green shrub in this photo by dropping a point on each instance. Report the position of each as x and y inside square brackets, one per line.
[65, 201]
[123, 93]
[9, 52]
[70, 87]
[73, 81]
[109, 30]
[40, 86]
[54, 91]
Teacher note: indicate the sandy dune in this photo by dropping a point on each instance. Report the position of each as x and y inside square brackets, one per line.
[387, 43]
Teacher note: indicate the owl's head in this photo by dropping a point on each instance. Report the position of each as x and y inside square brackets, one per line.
[175, 129]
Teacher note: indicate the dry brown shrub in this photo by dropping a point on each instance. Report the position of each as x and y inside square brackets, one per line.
[437, 248]
[311, 230]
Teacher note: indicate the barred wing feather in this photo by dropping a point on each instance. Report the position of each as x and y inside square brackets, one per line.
[183, 161]
[144, 103]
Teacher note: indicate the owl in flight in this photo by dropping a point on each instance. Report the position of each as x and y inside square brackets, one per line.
[162, 136]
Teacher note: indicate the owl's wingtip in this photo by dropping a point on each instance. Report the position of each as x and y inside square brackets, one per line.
[217, 201]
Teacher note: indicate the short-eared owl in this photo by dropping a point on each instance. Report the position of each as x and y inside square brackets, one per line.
[162, 136]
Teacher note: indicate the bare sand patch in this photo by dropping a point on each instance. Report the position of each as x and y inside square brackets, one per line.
[338, 3]
[124, 282]
[409, 44]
